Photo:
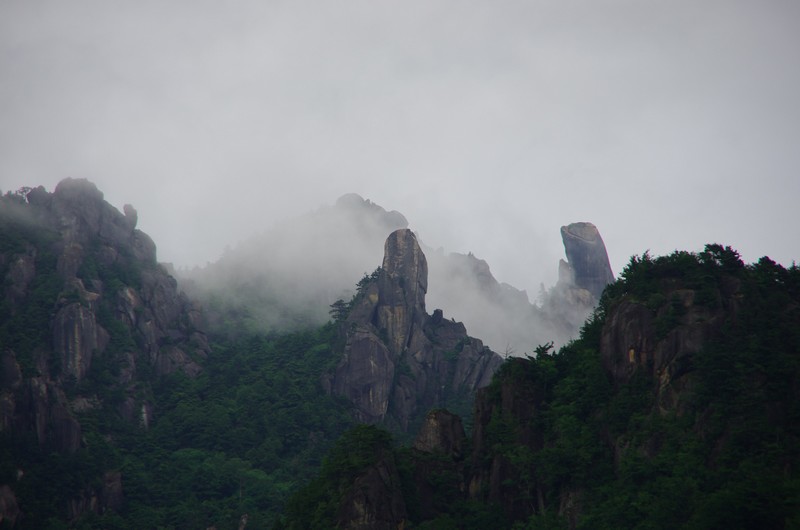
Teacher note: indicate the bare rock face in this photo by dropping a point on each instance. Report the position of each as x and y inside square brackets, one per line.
[84, 284]
[581, 279]
[364, 376]
[441, 432]
[587, 257]
[76, 336]
[80, 285]
[635, 339]
[401, 289]
[398, 361]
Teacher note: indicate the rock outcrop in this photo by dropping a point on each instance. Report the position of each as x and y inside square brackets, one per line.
[587, 259]
[442, 432]
[659, 339]
[86, 307]
[287, 277]
[398, 360]
[681, 397]
[581, 279]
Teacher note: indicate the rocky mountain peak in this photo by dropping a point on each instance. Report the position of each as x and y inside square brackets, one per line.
[398, 361]
[402, 288]
[83, 289]
[587, 257]
[356, 205]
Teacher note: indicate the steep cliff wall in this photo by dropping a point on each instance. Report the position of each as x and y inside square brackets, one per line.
[581, 278]
[88, 318]
[677, 408]
[399, 361]
[678, 385]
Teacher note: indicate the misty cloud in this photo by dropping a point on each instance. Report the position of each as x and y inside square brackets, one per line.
[666, 125]
[287, 277]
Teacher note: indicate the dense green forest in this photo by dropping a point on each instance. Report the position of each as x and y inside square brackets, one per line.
[238, 439]
[592, 450]
[677, 407]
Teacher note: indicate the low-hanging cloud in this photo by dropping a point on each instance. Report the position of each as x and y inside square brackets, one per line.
[668, 126]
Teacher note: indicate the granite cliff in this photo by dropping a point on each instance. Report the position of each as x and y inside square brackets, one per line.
[285, 278]
[676, 408]
[581, 279]
[398, 360]
[88, 319]
[587, 259]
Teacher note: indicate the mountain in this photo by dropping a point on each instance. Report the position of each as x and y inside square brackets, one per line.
[118, 409]
[82, 288]
[503, 316]
[287, 276]
[88, 319]
[676, 408]
[581, 279]
[399, 361]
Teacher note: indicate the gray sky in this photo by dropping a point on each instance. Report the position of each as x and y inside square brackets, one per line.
[488, 124]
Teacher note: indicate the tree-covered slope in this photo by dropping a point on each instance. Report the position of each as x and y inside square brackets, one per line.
[115, 412]
[679, 407]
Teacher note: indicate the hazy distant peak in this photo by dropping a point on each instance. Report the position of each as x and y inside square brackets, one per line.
[355, 203]
[71, 187]
[353, 199]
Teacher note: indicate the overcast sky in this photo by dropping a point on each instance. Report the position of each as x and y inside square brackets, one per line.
[668, 124]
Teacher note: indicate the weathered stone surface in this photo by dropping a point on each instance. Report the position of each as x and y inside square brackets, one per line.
[39, 406]
[398, 361]
[365, 375]
[631, 342]
[587, 257]
[20, 274]
[109, 278]
[402, 287]
[581, 279]
[441, 432]
[76, 337]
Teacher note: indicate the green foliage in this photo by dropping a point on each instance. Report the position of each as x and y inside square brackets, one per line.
[340, 310]
[727, 460]
[248, 435]
[240, 438]
[25, 327]
[315, 505]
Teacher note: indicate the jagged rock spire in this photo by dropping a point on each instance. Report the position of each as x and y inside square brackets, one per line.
[402, 288]
[398, 361]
